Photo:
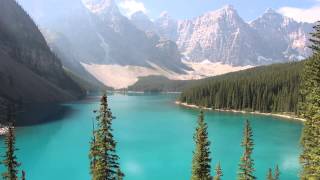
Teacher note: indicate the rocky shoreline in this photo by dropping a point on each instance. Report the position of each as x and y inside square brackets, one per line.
[285, 116]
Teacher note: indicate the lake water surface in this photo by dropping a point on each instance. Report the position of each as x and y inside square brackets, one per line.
[154, 141]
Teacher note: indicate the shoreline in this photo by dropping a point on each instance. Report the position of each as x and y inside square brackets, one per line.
[284, 116]
[145, 92]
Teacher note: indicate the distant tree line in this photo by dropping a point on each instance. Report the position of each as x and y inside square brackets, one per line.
[273, 88]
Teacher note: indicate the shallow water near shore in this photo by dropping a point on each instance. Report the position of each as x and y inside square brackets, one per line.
[154, 140]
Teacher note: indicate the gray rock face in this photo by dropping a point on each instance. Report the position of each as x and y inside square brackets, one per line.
[219, 36]
[284, 37]
[142, 22]
[29, 71]
[167, 26]
[223, 36]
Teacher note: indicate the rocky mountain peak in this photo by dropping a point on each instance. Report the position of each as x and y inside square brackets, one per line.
[142, 22]
[166, 26]
[101, 6]
[164, 15]
[270, 11]
[227, 13]
[139, 15]
[229, 8]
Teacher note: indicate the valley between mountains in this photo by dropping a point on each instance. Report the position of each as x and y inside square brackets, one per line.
[108, 48]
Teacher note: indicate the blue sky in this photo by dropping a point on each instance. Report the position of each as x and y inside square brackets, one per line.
[302, 10]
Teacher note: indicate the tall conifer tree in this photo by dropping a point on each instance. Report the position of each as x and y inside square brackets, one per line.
[23, 176]
[315, 38]
[219, 172]
[269, 175]
[104, 160]
[310, 110]
[246, 167]
[201, 155]
[10, 159]
[277, 173]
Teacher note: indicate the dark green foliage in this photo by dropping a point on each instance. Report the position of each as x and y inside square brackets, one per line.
[274, 176]
[269, 175]
[10, 159]
[104, 160]
[160, 84]
[273, 88]
[277, 173]
[23, 176]
[310, 110]
[246, 166]
[315, 40]
[120, 174]
[201, 156]
[219, 173]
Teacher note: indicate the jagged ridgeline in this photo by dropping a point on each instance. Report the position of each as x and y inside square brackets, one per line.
[273, 88]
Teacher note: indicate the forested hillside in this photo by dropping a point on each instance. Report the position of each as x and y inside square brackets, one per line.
[273, 88]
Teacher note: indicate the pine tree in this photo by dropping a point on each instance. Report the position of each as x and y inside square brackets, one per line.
[104, 160]
[23, 177]
[219, 172]
[269, 175]
[201, 155]
[277, 173]
[93, 154]
[11, 163]
[246, 167]
[315, 39]
[310, 110]
[120, 174]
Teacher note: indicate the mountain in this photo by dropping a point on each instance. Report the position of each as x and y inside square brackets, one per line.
[142, 22]
[284, 37]
[107, 37]
[166, 26]
[29, 71]
[59, 44]
[219, 36]
[105, 42]
[116, 50]
[223, 36]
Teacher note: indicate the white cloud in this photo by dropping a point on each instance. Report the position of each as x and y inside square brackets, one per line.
[131, 6]
[310, 15]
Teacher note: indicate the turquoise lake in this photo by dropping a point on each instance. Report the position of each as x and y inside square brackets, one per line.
[154, 140]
